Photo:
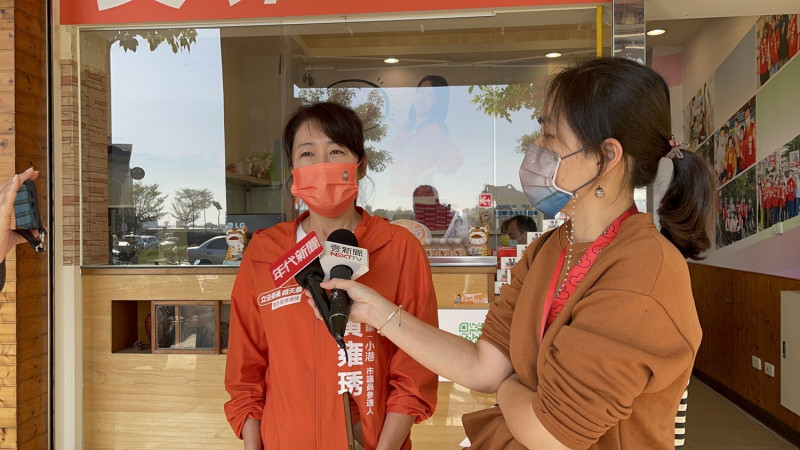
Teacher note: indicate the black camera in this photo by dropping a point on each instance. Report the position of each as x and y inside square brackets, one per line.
[26, 207]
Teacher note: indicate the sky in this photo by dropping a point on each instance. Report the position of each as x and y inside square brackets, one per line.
[170, 107]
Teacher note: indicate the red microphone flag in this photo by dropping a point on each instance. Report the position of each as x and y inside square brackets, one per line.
[294, 260]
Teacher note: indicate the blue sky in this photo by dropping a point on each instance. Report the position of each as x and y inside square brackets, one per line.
[169, 106]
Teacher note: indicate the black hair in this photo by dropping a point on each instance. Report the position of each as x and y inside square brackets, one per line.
[340, 123]
[618, 98]
[524, 223]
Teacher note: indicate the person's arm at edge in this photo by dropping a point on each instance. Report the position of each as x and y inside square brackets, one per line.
[251, 434]
[8, 193]
[244, 417]
[413, 389]
[396, 427]
[479, 366]
[515, 401]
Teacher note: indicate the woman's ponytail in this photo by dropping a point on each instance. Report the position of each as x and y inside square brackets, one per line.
[687, 211]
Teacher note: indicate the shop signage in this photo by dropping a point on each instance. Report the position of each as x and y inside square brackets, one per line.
[485, 200]
[85, 12]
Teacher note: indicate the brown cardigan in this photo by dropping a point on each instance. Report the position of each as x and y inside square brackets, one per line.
[611, 369]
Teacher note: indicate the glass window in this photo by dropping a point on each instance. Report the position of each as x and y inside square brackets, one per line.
[186, 327]
[182, 127]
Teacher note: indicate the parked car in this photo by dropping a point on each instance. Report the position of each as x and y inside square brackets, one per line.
[141, 242]
[212, 251]
[169, 242]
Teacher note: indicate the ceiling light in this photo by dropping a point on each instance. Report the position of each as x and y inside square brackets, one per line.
[391, 60]
[553, 55]
[656, 32]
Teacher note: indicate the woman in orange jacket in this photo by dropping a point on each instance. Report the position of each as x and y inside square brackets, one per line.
[285, 374]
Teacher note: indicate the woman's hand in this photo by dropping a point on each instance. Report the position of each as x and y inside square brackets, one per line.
[368, 306]
[8, 193]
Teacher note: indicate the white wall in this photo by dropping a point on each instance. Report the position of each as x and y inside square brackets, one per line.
[707, 51]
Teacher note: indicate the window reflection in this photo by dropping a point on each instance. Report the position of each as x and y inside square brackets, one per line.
[203, 122]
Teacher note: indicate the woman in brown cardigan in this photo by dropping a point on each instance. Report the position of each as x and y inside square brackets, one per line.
[592, 344]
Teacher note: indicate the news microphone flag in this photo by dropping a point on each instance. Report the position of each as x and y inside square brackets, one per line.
[335, 254]
[295, 259]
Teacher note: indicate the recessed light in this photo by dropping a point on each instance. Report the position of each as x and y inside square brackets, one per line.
[656, 32]
[553, 55]
[391, 60]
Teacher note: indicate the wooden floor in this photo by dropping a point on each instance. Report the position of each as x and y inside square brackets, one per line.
[444, 431]
[713, 423]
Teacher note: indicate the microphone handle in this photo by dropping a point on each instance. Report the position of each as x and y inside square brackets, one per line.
[312, 282]
[339, 312]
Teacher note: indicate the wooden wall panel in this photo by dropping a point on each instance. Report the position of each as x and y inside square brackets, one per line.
[24, 322]
[740, 315]
[8, 438]
[151, 400]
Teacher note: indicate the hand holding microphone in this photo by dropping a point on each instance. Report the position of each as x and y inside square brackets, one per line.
[367, 306]
[342, 259]
[309, 262]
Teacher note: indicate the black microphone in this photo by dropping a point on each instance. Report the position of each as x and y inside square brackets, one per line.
[310, 277]
[340, 301]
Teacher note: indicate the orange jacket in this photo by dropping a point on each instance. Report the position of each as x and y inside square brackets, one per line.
[285, 369]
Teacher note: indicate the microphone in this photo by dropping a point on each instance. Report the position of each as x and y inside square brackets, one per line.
[302, 262]
[310, 277]
[342, 258]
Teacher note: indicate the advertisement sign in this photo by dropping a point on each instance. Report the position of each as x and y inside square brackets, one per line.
[485, 200]
[85, 12]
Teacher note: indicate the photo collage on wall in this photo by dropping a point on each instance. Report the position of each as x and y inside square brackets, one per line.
[777, 42]
[735, 144]
[753, 194]
[777, 177]
[734, 155]
[736, 207]
[698, 116]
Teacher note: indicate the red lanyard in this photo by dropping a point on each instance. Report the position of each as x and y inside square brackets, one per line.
[555, 302]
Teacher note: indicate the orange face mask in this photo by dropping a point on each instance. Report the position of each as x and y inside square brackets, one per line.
[327, 188]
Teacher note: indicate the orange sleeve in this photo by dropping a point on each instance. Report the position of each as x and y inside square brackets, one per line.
[497, 326]
[412, 387]
[246, 364]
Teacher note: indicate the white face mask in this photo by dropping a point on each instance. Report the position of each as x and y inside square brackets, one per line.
[538, 177]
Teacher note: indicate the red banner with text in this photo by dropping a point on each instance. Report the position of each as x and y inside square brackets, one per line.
[86, 12]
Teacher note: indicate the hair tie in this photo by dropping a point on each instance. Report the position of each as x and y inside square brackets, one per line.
[676, 149]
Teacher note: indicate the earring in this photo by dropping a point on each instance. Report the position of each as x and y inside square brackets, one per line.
[599, 192]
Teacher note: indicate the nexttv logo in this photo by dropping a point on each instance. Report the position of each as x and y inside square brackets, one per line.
[103, 5]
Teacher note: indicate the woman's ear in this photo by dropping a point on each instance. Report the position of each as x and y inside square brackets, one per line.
[362, 169]
[612, 150]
